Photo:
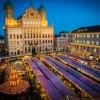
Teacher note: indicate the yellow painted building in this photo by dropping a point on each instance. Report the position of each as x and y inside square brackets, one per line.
[29, 31]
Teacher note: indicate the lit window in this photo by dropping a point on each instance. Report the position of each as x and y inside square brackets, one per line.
[88, 35]
[92, 35]
[84, 41]
[95, 50]
[97, 43]
[78, 41]
[97, 35]
[88, 42]
[92, 42]
[84, 35]
[77, 35]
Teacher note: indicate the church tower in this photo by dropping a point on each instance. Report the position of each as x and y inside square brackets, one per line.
[9, 15]
[8, 10]
[42, 12]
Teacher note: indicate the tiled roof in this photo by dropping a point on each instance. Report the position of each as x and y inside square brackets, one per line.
[87, 29]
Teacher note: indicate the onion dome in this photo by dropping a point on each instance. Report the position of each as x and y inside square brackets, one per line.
[8, 4]
[42, 8]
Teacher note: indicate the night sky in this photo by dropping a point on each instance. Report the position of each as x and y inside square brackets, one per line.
[66, 15]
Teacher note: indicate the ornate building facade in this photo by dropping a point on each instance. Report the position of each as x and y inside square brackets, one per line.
[61, 41]
[29, 30]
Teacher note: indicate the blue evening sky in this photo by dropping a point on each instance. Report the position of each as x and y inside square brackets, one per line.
[65, 15]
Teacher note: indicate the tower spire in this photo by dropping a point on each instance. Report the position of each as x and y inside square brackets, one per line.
[9, 9]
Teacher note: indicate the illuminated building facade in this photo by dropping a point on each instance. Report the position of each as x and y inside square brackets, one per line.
[85, 41]
[61, 41]
[29, 31]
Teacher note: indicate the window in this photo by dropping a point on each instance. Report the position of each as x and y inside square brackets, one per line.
[92, 42]
[31, 35]
[77, 35]
[14, 36]
[48, 41]
[17, 36]
[92, 35]
[37, 35]
[84, 41]
[97, 43]
[95, 50]
[20, 36]
[26, 49]
[10, 36]
[84, 35]
[43, 36]
[88, 42]
[88, 35]
[97, 35]
[46, 36]
[78, 41]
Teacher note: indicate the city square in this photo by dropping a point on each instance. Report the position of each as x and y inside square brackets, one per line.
[36, 63]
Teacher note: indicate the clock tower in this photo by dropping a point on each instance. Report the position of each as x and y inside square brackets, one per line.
[8, 12]
[42, 12]
[8, 9]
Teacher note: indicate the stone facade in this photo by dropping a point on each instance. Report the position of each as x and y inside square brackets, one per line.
[29, 31]
[61, 41]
